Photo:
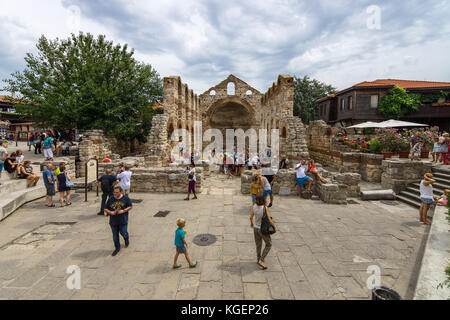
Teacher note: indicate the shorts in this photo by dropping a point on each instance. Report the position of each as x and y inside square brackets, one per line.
[50, 190]
[191, 187]
[1, 167]
[270, 178]
[301, 181]
[48, 153]
[181, 250]
[126, 191]
[266, 193]
[253, 198]
[427, 201]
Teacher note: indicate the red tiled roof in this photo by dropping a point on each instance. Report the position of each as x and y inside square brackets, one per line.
[406, 84]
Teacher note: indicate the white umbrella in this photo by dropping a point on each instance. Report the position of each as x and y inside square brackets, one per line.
[396, 123]
[368, 124]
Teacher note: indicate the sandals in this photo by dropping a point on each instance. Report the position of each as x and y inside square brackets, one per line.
[52, 206]
[262, 267]
[69, 204]
[177, 266]
[193, 265]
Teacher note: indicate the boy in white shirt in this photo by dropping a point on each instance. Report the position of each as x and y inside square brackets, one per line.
[302, 177]
[125, 178]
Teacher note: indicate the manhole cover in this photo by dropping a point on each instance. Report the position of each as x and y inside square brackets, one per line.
[352, 202]
[136, 200]
[204, 240]
[389, 203]
[161, 214]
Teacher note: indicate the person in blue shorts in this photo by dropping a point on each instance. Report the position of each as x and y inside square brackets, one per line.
[302, 177]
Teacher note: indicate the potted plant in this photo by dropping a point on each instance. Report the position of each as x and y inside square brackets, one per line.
[375, 146]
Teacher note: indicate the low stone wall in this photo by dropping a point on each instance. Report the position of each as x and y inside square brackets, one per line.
[340, 186]
[69, 161]
[132, 162]
[168, 180]
[398, 173]
[330, 152]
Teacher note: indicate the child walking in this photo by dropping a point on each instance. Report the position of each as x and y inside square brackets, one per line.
[436, 150]
[181, 245]
[255, 187]
[417, 149]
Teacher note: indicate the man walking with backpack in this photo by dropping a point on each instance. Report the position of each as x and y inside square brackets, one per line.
[107, 183]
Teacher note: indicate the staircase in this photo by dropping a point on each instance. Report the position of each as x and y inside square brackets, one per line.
[411, 195]
[14, 193]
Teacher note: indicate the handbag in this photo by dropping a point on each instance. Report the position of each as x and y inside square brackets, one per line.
[266, 226]
[69, 183]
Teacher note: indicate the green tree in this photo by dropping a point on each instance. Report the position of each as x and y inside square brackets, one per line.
[398, 103]
[88, 83]
[306, 92]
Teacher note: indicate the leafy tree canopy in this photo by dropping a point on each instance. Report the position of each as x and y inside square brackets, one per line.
[398, 103]
[87, 83]
[306, 92]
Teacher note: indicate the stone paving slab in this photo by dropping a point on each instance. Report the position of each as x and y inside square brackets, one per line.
[320, 251]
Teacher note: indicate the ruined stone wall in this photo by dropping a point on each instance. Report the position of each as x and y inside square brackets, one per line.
[328, 151]
[398, 173]
[168, 180]
[70, 165]
[277, 103]
[294, 145]
[336, 191]
[158, 152]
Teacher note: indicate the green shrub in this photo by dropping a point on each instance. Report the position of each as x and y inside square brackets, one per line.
[375, 146]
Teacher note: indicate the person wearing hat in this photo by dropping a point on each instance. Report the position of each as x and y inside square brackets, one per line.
[426, 196]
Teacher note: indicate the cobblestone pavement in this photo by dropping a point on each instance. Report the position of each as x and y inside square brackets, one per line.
[320, 252]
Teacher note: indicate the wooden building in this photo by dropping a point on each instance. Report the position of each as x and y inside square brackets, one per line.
[359, 103]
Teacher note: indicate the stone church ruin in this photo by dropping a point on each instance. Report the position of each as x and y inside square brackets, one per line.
[232, 104]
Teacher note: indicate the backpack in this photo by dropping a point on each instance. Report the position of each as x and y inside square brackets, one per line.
[106, 185]
[266, 226]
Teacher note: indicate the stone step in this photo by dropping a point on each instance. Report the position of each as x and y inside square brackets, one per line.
[441, 170]
[442, 176]
[14, 200]
[408, 201]
[436, 187]
[411, 196]
[416, 190]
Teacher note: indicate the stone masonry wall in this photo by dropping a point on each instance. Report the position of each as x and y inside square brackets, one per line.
[328, 151]
[168, 180]
[397, 174]
[336, 191]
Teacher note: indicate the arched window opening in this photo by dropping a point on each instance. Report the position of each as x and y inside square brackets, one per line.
[231, 89]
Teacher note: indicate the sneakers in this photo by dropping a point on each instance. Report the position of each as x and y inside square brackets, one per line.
[115, 252]
[127, 243]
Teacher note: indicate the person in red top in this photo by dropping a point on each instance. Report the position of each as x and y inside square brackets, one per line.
[312, 168]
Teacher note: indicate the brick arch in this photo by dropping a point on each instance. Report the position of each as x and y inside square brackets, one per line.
[219, 103]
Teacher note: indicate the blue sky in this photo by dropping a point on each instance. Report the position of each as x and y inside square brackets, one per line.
[337, 42]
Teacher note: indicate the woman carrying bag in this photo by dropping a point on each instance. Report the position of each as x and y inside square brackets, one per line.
[263, 226]
[64, 184]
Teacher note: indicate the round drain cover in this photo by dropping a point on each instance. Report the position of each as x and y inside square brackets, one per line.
[389, 202]
[204, 240]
